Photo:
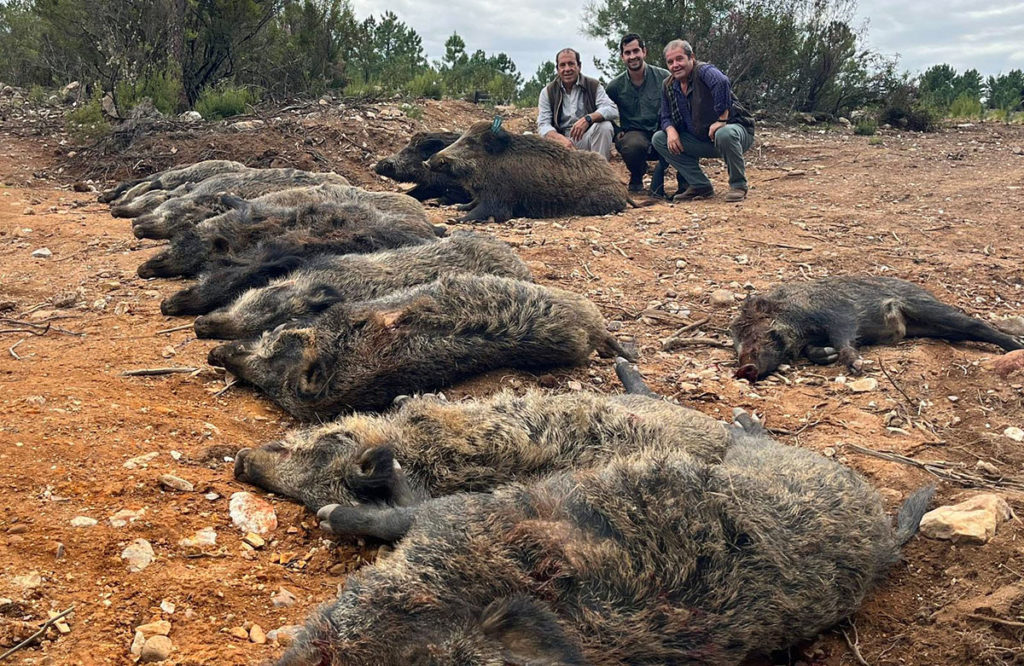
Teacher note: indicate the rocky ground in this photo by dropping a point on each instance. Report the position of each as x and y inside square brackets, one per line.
[116, 489]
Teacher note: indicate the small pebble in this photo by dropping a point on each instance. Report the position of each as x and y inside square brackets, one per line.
[863, 385]
[721, 298]
[1014, 433]
[139, 555]
[42, 253]
[176, 483]
[252, 514]
[83, 521]
[257, 635]
[283, 598]
[157, 648]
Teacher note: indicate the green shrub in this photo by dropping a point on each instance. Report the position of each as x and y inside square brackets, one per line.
[875, 141]
[915, 117]
[865, 127]
[87, 123]
[38, 95]
[427, 84]
[224, 101]
[362, 90]
[412, 111]
[162, 88]
[965, 106]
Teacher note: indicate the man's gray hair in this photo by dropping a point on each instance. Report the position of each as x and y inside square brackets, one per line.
[678, 44]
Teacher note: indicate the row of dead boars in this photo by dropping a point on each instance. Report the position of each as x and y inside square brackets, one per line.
[578, 528]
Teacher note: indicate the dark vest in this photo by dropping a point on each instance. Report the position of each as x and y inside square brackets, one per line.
[702, 106]
[556, 95]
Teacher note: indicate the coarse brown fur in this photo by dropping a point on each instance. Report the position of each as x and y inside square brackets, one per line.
[168, 179]
[407, 166]
[511, 175]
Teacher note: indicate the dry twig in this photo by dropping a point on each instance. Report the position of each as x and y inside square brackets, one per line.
[42, 630]
[997, 620]
[675, 343]
[11, 349]
[854, 645]
[150, 372]
[172, 330]
[953, 472]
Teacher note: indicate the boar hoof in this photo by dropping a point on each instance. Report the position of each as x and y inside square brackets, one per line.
[324, 516]
[822, 355]
[400, 400]
[750, 424]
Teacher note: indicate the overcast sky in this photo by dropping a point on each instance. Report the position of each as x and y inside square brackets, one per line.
[987, 35]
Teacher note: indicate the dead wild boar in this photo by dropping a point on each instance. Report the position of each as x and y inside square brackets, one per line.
[159, 224]
[168, 179]
[324, 281]
[428, 447]
[363, 355]
[652, 558]
[233, 274]
[407, 166]
[246, 184]
[194, 249]
[511, 175]
[826, 319]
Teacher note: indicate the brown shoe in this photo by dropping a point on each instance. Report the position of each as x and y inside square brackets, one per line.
[694, 192]
[735, 195]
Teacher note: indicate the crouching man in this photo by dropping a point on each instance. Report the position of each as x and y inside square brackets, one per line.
[574, 110]
[700, 117]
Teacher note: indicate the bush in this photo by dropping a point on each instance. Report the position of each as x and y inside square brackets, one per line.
[162, 88]
[412, 111]
[87, 123]
[915, 117]
[865, 127]
[363, 90]
[427, 84]
[875, 141]
[965, 106]
[38, 95]
[224, 101]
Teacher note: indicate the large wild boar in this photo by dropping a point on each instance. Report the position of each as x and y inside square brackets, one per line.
[653, 558]
[194, 249]
[407, 166]
[511, 175]
[247, 184]
[179, 217]
[235, 273]
[168, 179]
[826, 319]
[428, 448]
[363, 355]
[324, 281]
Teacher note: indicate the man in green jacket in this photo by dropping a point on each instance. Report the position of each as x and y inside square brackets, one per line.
[637, 94]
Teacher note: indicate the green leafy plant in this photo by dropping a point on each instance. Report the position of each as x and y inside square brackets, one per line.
[162, 88]
[87, 122]
[427, 84]
[224, 101]
[865, 127]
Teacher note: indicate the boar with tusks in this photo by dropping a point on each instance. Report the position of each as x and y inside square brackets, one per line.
[168, 179]
[651, 558]
[161, 225]
[826, 319]
[233, 274]
[428, 447]
[362, 355]
[409, 166]
[247, 183]
[512, 175]
[195, 249]
[327, 280]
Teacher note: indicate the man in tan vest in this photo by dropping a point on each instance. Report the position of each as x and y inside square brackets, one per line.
[574, 110]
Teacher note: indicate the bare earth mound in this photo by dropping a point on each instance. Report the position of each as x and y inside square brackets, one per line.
[945, 210]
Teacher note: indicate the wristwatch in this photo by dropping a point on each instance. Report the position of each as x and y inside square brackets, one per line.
[590, 121]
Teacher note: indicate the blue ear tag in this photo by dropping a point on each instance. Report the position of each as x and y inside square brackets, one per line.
[496, 125]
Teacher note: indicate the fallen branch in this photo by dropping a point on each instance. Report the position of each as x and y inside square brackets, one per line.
[224, 390]
[42, 630]
[675, 343]
[11, 349]
[802, 248]
[947, 471]
[915, 406]
[21, 330]
[664, 317]
[172, 330]
[853, 645]
[997, 620]
[150, 372]
[690, 327]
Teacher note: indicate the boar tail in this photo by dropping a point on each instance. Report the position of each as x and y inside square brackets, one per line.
[908, 518]
[631, 378]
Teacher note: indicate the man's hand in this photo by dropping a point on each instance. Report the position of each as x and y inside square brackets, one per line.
[675, 146]
[714, 128]
[578, 129]
[560, 139]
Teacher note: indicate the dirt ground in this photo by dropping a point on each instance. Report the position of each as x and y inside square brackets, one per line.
[944, 210]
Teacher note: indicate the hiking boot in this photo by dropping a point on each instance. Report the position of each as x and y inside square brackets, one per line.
[636, 184]
[694, 192]
[736, 194]
[657, 194]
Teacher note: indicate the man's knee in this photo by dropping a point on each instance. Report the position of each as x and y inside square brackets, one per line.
[730, 137]
[660, 142]
[602, 130]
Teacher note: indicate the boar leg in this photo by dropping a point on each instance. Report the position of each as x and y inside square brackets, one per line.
[367, 520]
[470, 205]
[484, 210]
[821, 355]
[938, 320]
[842, 331]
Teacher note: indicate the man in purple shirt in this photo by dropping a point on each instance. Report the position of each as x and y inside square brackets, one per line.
[700, 117]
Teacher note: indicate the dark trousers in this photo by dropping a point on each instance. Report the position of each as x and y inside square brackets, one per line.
[637, 150]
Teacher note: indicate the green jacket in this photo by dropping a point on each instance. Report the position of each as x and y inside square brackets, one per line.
[638, 107]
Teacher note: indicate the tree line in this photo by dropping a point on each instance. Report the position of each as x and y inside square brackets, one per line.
[782, 55]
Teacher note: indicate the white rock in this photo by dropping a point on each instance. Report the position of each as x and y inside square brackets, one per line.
[1014, 433]
[283, 598]
[140, 461]
[971, 521]
[125, 516]
[203, 538]
[158, 628]
[29, 581]
[176, 483]
[191, 116]
[167, 607]
[139, 555]
[252, 514]
[83, 521]
[42, 253]
[137, 644]
[157, 648]
[246, 125]
[863, 385]
[721, 298]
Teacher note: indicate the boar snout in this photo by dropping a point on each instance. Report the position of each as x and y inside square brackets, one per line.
[748, 372]
[385, 167]
[209, 326]
[222, 355]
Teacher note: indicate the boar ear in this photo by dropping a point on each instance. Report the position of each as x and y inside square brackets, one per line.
[232, 201]
[322, 297]
[529, 632]
[496, 142]
[313, 380]
[373, 477]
